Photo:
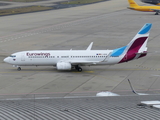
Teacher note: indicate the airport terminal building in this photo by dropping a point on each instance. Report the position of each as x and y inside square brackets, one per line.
[81, 108]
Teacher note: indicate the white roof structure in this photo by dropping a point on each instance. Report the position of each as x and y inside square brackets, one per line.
[106, 93]
[79, 108]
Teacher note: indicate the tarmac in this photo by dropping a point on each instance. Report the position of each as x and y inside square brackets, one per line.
[108, 24]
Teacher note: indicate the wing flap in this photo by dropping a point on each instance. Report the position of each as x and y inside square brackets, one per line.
[84, 62]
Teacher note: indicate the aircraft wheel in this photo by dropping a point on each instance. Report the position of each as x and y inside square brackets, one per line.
[156, 13]
[79, 69]
[19, 68]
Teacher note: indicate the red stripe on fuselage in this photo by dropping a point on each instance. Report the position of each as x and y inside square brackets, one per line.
[131, 53]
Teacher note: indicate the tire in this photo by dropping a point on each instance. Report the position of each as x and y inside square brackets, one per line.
[19, 68]
[79, 69]
[156, 13]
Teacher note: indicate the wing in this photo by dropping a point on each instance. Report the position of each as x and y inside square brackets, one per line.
[156, 10]
[131, 8]
[83, 63]
[90, 46]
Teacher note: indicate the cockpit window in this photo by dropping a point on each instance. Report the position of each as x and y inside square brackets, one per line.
[12, 56]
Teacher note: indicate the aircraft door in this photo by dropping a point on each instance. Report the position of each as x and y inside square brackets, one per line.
[23, 57]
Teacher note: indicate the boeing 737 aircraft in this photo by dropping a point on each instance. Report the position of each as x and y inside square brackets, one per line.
[69, 59]
[135, 6]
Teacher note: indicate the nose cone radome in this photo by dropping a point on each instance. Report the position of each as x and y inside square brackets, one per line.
[6, 60]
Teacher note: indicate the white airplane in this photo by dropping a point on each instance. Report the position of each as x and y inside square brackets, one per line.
[69, 59]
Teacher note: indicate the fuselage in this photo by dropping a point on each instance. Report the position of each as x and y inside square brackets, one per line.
[49, 57]
[145, 8]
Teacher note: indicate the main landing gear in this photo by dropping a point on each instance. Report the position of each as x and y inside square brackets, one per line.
[79, 69]
[156, 13]
[19, 68]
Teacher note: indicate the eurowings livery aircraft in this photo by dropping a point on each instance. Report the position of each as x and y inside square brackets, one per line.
[69, 59]
[135, 6]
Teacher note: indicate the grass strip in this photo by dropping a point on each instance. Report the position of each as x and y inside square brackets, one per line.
[23, 10]
[81, 2]
[21, 0]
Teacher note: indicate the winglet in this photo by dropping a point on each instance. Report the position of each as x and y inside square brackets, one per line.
[90, 46]
[134, 90]
[132, 87]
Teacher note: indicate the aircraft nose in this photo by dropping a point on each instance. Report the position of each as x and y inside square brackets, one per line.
[6, 60]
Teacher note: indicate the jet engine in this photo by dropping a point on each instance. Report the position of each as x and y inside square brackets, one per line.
[64, 66]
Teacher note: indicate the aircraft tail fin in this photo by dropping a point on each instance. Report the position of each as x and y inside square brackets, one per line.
[138, 45]
[132, 3]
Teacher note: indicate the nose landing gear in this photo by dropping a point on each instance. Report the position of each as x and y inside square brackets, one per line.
[18, 68]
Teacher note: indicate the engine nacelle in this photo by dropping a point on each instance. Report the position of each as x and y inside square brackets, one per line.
[64, 66]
